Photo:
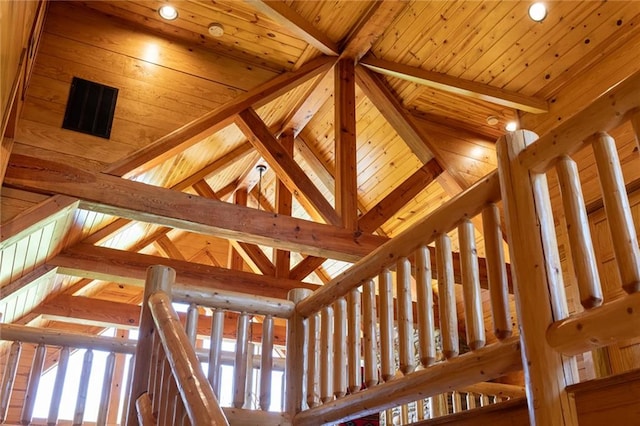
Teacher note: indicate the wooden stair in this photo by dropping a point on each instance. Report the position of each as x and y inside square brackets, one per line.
[507, 413]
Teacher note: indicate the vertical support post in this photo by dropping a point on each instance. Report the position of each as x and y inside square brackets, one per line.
[474, 319]
[616, 205]
[266, 363]
[426, 323]
[56, 395]
[387, 366]
[405, 316]
[313, 378]
[370, 334]
[539, 291]
[345, 143]
[215, 350]
[296, 363]
[105, 396]
[83, 388]
[235, 261]
[282, 258]
[158, 278]
[447, 296]
[192, 324]
[32, 384]
[584, 257]
[240, 365]
[354, 314]
[497, 272]
[340, 348]
[9, 378]
[326, 355]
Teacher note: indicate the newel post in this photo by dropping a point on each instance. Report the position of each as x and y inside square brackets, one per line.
[296, 362]
[158, 278]
[539, 290]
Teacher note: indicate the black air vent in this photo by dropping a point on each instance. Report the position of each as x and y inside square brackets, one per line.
[90, 108]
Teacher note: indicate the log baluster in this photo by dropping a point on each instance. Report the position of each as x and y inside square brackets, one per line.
[355, 315]
[192, 323]
[340, 348]
[616, 205]
[388, 416]
[456, 402]
[405, 316]
[497, 272]
[266, 362]
[326, 355]
[167, 378]
[215, 350]
[156, 391]
[105, 396]
[584, 257]
[56, 395]
[447, 297]
[387, 366]
[155, 354]
[370, 334]
[471, 401]
[484, 400]
[426, 323]
[473, 316]
[127, 395]
[9, 378]
[83, 388]
[172, 403]
[240, 364]
[313, 374]
[297, 341]
[33, 383]
[249, 397]
[420, 409]
[404, 414]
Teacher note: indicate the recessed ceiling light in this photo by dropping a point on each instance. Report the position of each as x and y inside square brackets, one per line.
[511, 126]
[168, 12]
[492, 120]
[216, 30]
[538, 11]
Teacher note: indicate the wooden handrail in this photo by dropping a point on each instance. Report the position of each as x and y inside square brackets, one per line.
[466, 205]
[200, 402]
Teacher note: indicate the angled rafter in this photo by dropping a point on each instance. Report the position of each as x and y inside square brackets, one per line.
[211, 122]
[305, 267]
[125, 267]
[288, 18]
[456, 85]
[283, 164]
[167, 248]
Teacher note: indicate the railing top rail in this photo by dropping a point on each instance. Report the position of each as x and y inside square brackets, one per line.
[465, 205]
[608, 112]
[232, 301]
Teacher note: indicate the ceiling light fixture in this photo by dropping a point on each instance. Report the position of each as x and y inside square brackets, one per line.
[511, 126]
[492, 120]
[261, 169]
[168, 12]
[216, 30]
[538, 11]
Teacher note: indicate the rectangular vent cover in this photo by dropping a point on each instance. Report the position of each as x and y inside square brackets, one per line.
[90, 108]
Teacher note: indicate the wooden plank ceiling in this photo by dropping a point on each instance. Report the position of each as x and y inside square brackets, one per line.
[197, 113]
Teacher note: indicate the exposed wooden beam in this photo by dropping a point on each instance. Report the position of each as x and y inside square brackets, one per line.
[345, 143]
[6, 144]
[166, 247]
[457, 86]
[372, 25]
[396, 199]
[139, 201]
[288, 18]
[120, 266]
[206, 125]
[305, 267]
[283, 164]
[36, 217]
[42, 272]
[282, 258]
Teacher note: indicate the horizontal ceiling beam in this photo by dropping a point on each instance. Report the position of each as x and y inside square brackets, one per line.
[457, 86]
[138, 201]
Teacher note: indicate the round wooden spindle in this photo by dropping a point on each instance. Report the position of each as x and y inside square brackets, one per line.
[370, 334]
[192, 323]
[497, 272]
[616, 205]
[386, 326]
[56, 395]
[313, 375]
[297, 348]
[33, 383]
[484, 400]
[420, 409]
[471, 401]
[426, 323]
[326, 355]
[404, 414]
[165, 386]
[447, 297]
[584, 257]
[474, 318]
[240, 364]
[215, 350]
[266, 364]
[405, 316]
[340, 348]
[456, 402]
[105, 395]
[354, 314]
[83, 388]
[9, 378]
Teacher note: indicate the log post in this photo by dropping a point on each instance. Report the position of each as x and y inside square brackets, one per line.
[340, 348]
[387, 366]
[354, 312]
[539, 290]
[326, 355]
[584, 257]
[474, 319]
[405, 316]
[616, 205]
[426, 323]
[266, 362]
[497, 272]
[32, 384]
[447, 297]
[240, 365]
[8, 378]
[158, 278]
[296, 356]
[313, 375]
[215, 350]
[370, 335]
